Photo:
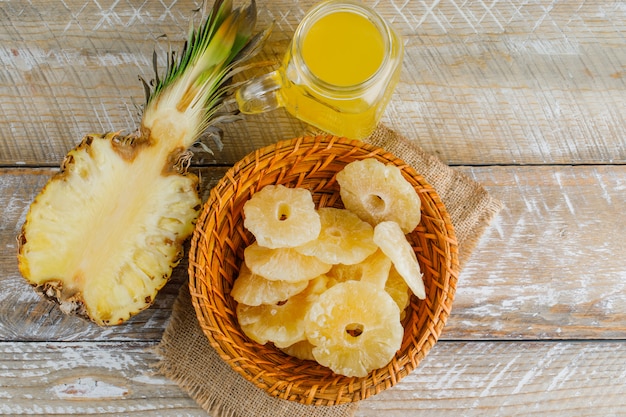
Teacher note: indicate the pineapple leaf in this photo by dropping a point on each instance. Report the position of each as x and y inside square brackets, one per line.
[207, 46]
[195, 83]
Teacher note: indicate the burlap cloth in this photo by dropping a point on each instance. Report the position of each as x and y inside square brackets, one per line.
[187, 358]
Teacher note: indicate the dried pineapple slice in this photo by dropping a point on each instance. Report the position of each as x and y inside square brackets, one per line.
[281, 323]
[397, 288]
[253, 290]
[283, 264]
[355, 328]
[282, 217]
[344, 238]
[374, 269]
[392, 241]
[302, 350]
[377, 192]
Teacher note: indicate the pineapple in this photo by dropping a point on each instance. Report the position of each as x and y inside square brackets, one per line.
[398, 290]
[374, 269]
[281, 323]
[344, 238]
[281, 217]
[354, 328]
[377, 192]
[283, 264]
[389, 237]
[103, 235]
[302, 350]
[254, 290]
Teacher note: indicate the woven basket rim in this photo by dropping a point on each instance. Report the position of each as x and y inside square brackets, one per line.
[218, 237]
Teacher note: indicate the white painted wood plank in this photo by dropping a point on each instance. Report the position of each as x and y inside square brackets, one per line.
[483, 82]
[85, 379]
[456, 378]
[549, 266]
[510, 378]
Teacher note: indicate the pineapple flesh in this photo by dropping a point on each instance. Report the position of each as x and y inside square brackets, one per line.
[104, 234]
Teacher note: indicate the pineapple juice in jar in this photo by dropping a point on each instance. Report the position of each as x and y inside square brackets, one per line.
[338, 73]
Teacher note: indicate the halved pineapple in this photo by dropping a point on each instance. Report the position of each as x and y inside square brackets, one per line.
[122, 241]
[104, 234]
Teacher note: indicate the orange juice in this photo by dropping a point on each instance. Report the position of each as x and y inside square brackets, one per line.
[338, 73]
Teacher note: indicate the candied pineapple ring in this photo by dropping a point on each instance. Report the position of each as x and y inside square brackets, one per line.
[344, 238]
[398, 290]
[281, 217]
[281, 323]
[254, 290]
[354, 328]
[301, 350]
[377, 192]
[283, 264]
[374, 269]
[392, 241]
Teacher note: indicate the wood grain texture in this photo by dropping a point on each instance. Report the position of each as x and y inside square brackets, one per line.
[482, 83]
[548, 267]
[114, 379]
[527, 98]
[456, 378]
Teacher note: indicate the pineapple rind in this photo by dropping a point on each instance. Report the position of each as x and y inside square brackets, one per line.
[106, 231]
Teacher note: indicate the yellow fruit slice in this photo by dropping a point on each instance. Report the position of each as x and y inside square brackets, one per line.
[398, 290]
[344, 238]
[281, 217]
[283, 264]
[374, 269]
[392, 241]
[377, 192]
[355, 328]
[254, 290]
[301, 350]
[281, 323]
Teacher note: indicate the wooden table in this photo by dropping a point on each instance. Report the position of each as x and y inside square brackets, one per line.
[528, 98]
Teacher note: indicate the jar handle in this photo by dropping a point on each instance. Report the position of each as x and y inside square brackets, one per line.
[260, 94]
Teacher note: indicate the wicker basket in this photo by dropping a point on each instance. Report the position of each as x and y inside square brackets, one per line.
[217, 252]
